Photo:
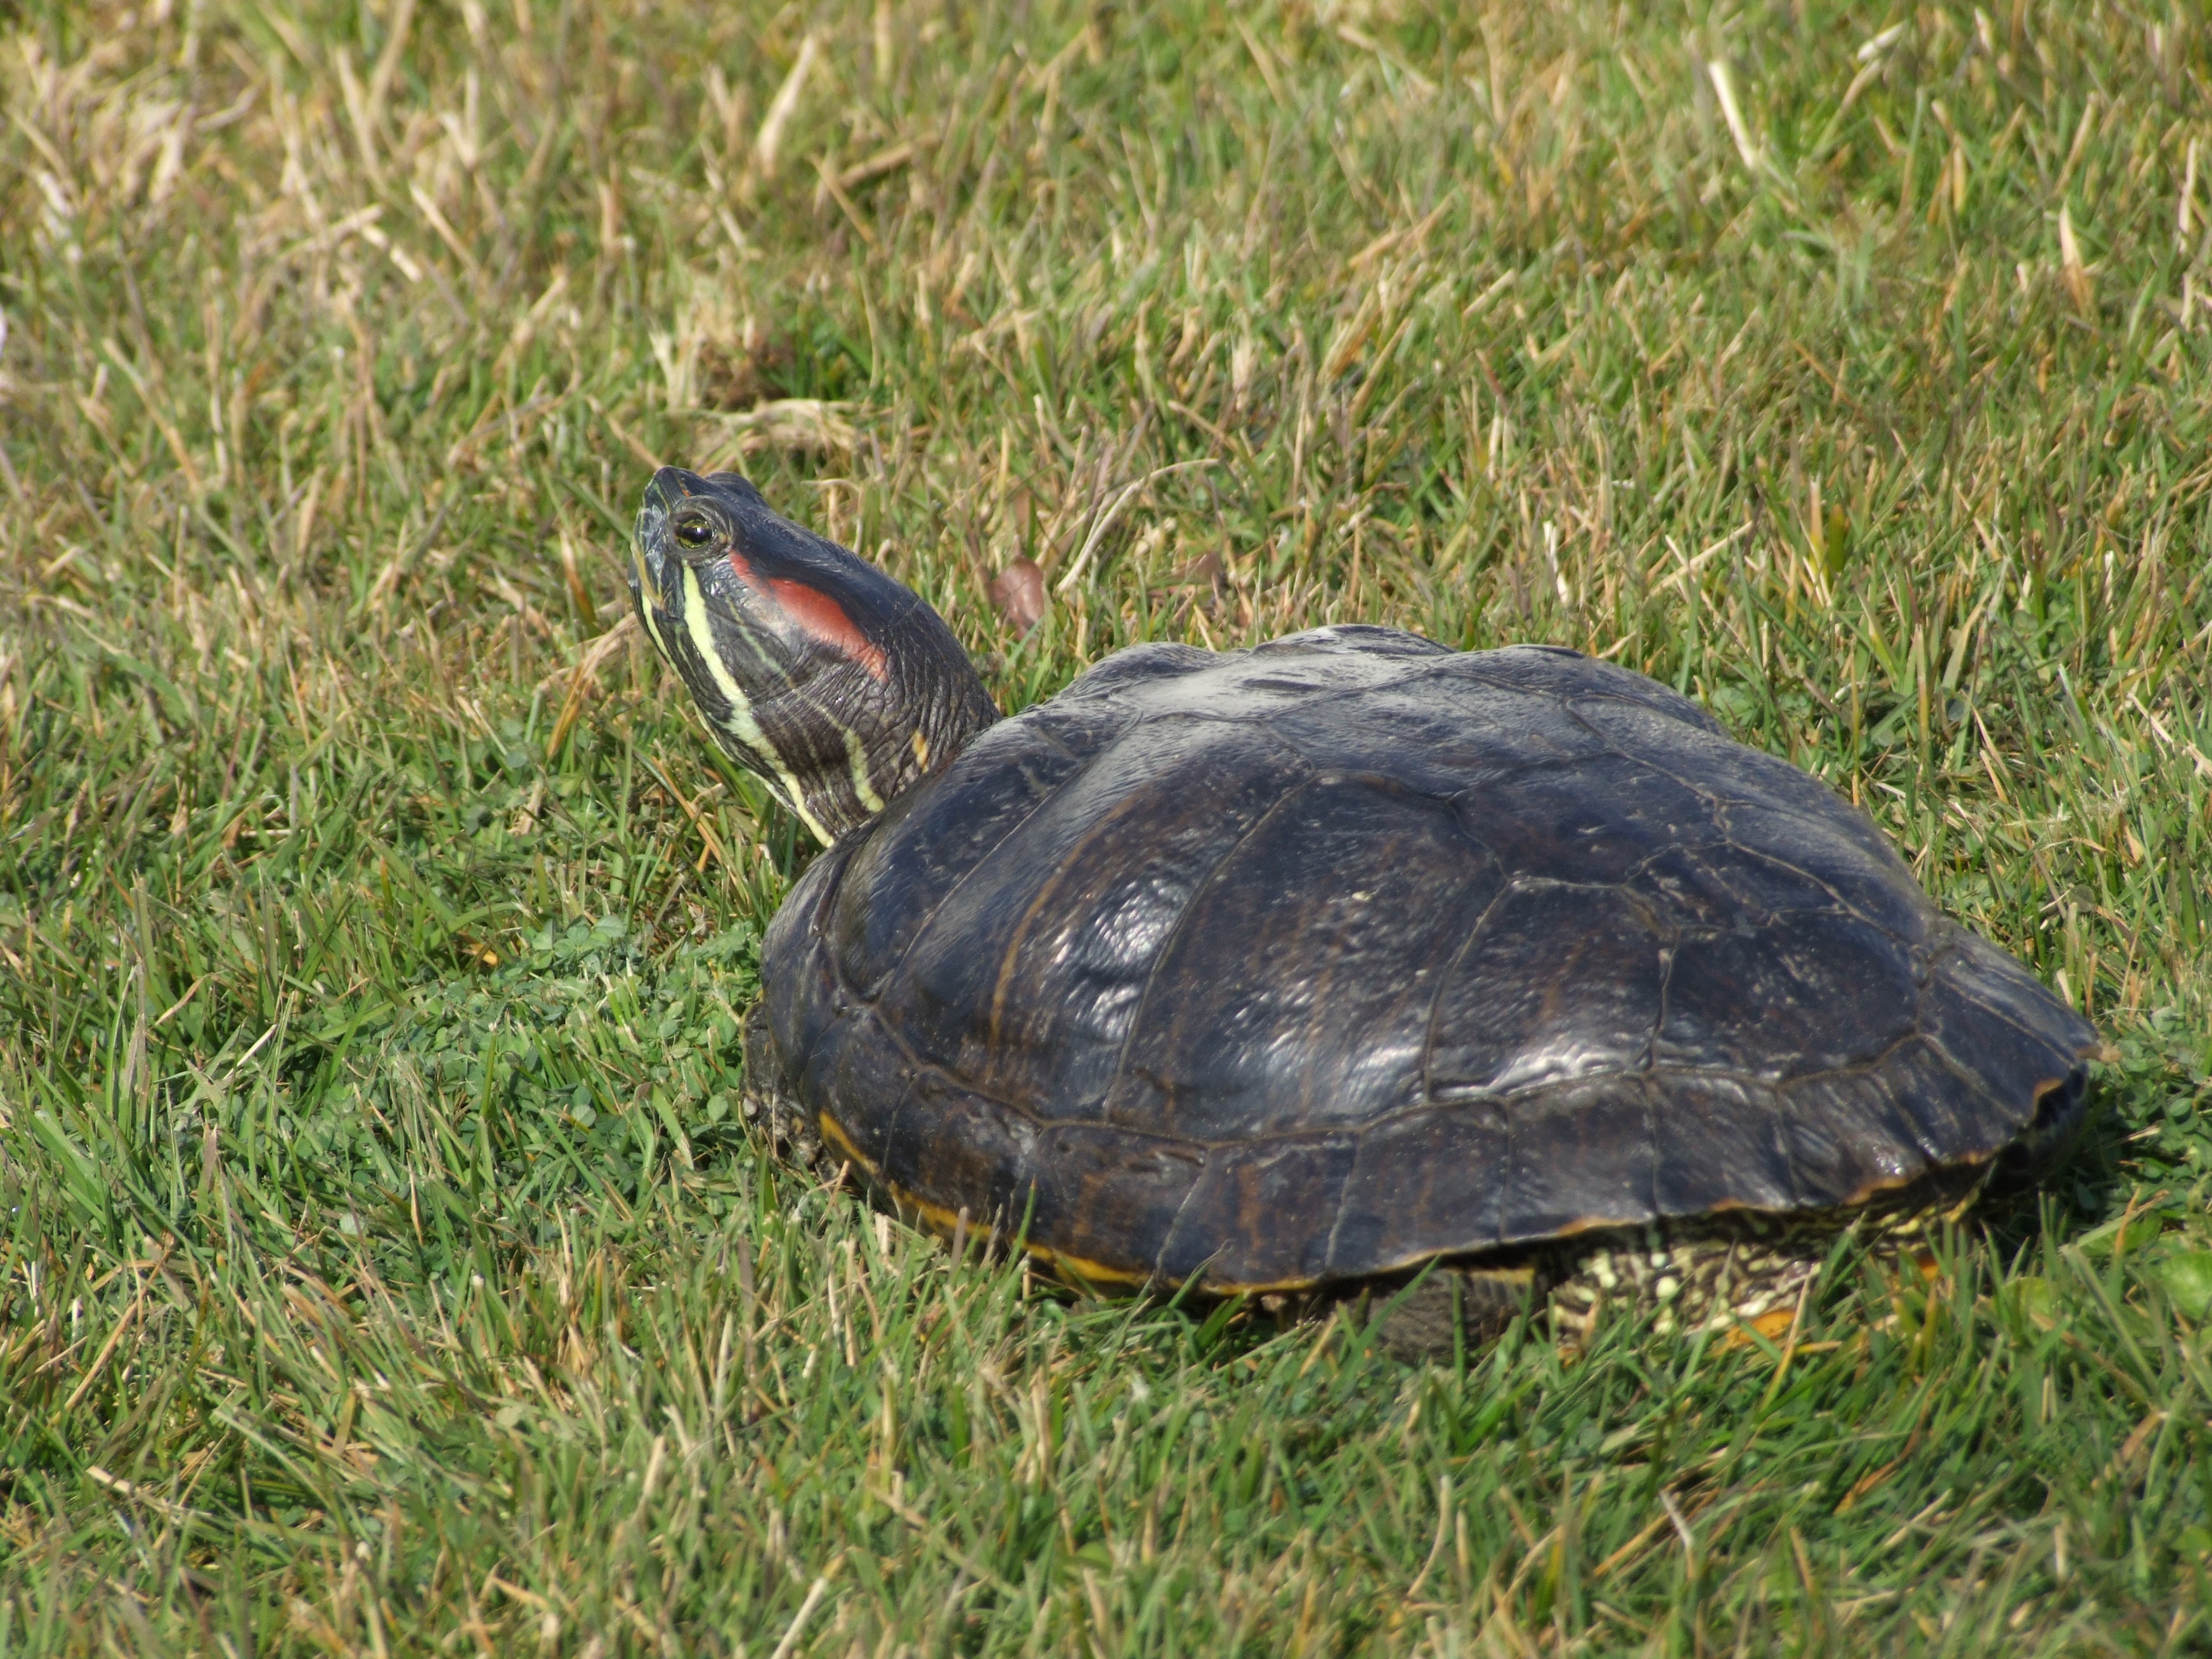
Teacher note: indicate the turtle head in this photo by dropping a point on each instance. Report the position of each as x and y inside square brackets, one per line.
[837, 685]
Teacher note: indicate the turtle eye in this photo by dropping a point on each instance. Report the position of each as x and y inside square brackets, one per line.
[694, 532]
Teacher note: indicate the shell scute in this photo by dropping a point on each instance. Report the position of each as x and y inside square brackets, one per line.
[1342, 641]
[885, 899]
[1719, 1145]
[1026, 981]
[1558, 981]
[1767, 887]
[1126, 671]
[1284, 1004]
[2004, 1058]
[1840, 852]
[1442, 735]
[1257, 1216]
[1683, 891]
[942, 1140]
[1810, 993]
[1568, 678]
[1958, 1120]
[1584, 1154]
[1596, 821]
[1849, 1135]
[1425, 1181]
[1992, 982]
[1096, 1187]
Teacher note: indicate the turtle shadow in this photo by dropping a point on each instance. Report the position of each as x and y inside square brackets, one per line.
[2078, 1188]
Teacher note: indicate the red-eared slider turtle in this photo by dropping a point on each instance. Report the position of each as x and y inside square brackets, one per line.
[1294, 970]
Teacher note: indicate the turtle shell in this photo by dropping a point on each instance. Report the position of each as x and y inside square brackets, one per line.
[1306, 964]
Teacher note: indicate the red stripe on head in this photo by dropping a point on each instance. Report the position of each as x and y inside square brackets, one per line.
[822, 619]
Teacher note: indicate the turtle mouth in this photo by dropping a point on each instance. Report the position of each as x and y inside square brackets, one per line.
[648, 556]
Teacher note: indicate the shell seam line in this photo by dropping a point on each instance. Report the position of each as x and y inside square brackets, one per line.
[1094, 831]
[1650, 1135]
[1343, 1204]
[1167, 1233]
[1145, 997]
[1505, 887]
[1504, 1100]
[1999, 1014]
[929, 917]
[1720, 806]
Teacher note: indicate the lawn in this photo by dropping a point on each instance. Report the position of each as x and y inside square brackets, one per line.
[386, 1262]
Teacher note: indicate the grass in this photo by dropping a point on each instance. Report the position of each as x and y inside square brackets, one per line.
[386, 1265]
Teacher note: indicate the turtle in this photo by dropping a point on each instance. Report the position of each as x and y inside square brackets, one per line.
[1344, 966]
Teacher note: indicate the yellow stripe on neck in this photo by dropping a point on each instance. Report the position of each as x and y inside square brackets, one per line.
[858, 756]
[746, 728]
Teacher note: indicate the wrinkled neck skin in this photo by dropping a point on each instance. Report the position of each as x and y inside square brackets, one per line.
[835, 684]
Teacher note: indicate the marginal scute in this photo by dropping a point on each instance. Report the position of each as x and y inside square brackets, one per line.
[1233, 1232]
[1093, 1183]
[1847, 1136]
[1425, 1183]
[1719, 1145]
[956, 1143]
[1584, 1155]
[1962, 1118]
[1295, 968]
